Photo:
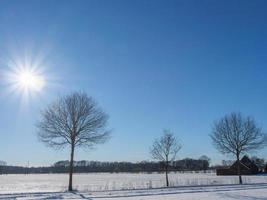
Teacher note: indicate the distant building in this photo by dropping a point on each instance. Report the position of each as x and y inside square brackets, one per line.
[247, 167]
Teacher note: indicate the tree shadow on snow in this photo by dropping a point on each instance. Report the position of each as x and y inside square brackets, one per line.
[45, 196]
[243, 197]
[81, 196]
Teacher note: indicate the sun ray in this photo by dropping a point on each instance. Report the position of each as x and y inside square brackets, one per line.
[24, 78]
[28, 80]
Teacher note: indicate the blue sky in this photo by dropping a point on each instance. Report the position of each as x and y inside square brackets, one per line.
[152, 65]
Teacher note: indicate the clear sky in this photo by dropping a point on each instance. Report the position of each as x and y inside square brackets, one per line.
[151, 65]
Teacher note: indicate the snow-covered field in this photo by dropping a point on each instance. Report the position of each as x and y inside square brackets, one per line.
[225, 192]
[107, 181]
[132, 186]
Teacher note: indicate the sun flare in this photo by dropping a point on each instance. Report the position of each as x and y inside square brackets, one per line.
[26, 77]
[28, 80]
[25, 80]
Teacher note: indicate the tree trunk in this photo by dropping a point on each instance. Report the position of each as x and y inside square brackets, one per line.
[71, 167]
[238, 170]
[166, 173]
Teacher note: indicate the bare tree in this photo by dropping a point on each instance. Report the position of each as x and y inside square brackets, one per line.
[165, 150]
[74, 121]
[235, 134]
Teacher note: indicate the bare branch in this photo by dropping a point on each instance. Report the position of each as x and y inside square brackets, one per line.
[74, 119]
[235, 134]
[166, 148]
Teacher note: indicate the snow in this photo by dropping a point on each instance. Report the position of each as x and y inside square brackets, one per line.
[132, 186]
[115, 181]
[241, 192]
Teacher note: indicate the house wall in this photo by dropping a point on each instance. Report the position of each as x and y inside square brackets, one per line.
[228, 172]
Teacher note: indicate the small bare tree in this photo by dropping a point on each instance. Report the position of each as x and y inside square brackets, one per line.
[75, 121]
[235, 134]
[165, 150]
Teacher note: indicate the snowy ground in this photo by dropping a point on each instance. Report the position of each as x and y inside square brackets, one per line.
[128, 186]
[107, 181]
[233, 192]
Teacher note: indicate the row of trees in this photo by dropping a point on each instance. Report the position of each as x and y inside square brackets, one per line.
[77, 121]
[187, 164]
[110, 167]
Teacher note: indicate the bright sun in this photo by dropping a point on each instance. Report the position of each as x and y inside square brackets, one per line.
[25, 78]
[28, 80]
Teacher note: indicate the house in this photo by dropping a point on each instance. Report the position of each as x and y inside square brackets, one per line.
[247, 167]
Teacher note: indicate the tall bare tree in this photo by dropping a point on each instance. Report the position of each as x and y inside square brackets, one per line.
[74, 121]
[165, 150]
[235, 134]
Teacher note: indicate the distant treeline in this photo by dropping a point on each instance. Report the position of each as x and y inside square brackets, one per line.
[187, 164]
